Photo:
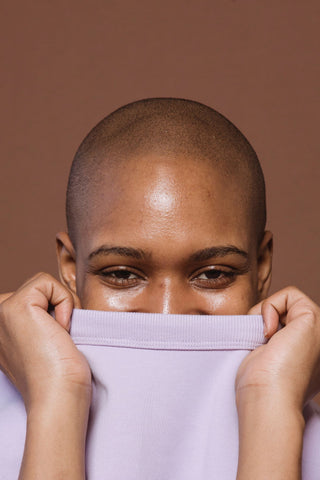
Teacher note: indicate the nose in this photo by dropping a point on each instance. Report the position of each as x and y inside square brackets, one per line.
[170, 297]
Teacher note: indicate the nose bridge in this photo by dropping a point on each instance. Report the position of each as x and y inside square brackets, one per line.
[172, 296]
[165, 295]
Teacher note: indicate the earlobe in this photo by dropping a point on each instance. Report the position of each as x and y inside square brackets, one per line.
[67, 264]
[265, 264]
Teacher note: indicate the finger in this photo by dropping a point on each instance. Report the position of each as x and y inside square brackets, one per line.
[291, 303]
[256, 309]
[270, 317]
[4, 296]
[283, 306]
[44, 290]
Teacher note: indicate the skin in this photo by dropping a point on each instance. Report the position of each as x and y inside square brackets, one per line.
[174, 213]
[167, 211]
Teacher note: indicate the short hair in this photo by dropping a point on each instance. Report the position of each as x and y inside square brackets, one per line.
[168, 126]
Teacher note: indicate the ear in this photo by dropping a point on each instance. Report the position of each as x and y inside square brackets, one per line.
[265, 265]
[66, 257]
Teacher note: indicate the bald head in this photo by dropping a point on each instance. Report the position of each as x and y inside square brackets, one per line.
[163, 129]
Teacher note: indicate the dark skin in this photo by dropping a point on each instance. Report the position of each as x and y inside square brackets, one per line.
[173, 237]
[193, 247]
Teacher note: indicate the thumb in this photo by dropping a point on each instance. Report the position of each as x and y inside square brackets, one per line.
[270, 316]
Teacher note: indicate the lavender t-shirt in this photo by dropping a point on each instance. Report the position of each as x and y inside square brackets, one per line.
[163, 403]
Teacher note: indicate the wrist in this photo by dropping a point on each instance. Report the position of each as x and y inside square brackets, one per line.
[267, 425]
[269, 394]
[56, 434]
[268, 403]
[59, 397]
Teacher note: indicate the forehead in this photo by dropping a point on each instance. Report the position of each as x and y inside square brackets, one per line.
[167, 199]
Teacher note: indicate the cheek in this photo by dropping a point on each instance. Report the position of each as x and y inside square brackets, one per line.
[235, 300]
[95, 296]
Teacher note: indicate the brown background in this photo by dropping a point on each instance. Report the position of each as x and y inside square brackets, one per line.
[65, 65]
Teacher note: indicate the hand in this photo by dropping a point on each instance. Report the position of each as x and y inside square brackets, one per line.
[36, 350]
[4, 296]
[272, 385]
[53, 377]
[290, 361]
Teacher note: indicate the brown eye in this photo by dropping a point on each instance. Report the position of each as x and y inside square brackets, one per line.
[214, 278]
[211, 274]
[121, 277]
[122, 274]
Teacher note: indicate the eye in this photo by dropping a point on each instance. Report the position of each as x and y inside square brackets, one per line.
[120, 277]
[214, 277]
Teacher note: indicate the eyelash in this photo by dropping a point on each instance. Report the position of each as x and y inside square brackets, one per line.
[222, 278]
[118, 277]
[121, 282]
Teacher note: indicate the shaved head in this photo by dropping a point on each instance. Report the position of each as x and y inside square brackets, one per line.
[164, 130]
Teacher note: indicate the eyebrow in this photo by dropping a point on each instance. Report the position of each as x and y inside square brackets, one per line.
[198, 256]
[219, 251]
[136, 253]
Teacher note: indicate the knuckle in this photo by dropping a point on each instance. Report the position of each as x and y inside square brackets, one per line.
[45, 276]
[37, 275]
[42, 276]
[299, 295]
[293, 289]
[6, 309]
[310, 318]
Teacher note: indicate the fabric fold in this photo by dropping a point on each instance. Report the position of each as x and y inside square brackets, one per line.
[172, 332]
[163, 403]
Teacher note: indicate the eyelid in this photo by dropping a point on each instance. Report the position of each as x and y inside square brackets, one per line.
[116, 268]
[221, 268]
[223, 280]
[111, 280]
